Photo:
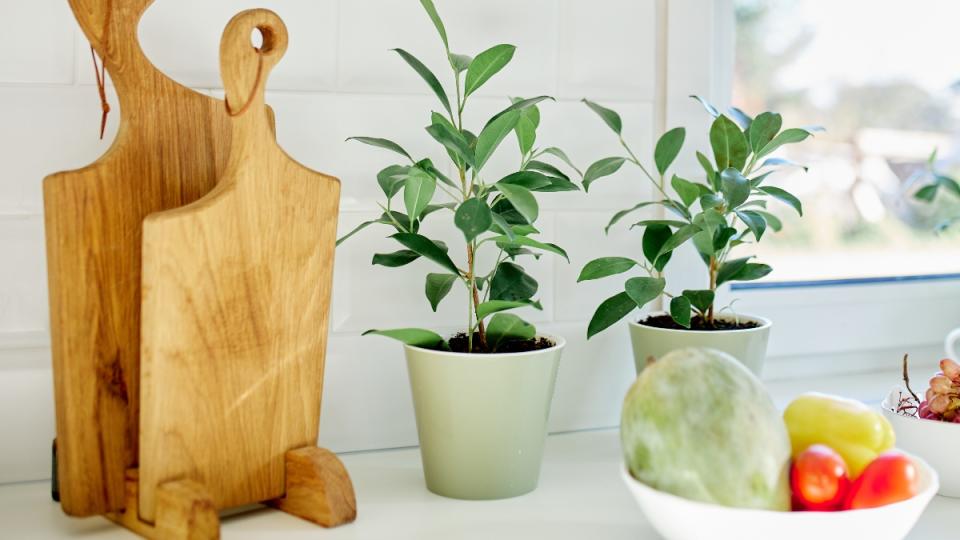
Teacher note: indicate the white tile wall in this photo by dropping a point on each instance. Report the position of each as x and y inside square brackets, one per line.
[339, 79]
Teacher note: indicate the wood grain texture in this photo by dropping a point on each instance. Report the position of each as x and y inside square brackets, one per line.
[171, 146]
[318, 488]
[185, 511]
[236, 291]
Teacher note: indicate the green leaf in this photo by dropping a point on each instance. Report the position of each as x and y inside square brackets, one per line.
[554, 151]
[707, 166]
[622, 213]
[600, 169]
[743, 119]
[427, 76]
[505, 327]
[730, 268]
[486, 65]
[736, 188]
[763, 129]
[927, 193]
[777, 162]
[754, 222]
[415, 337]
[787, 136]
[605, 266]
[722, 236]
[526, 132]
[522, 105]
[382, 143]
[701, 300]
[452, 140]
[437, 287]
[546, 168]
[492, 135]
[729, 144]
[473, 217]
[668, 147]
[711, 201]
[680, 236]
[357, 229]
[530, 180]
[772, 220]
[511, 282]
[503, 242]
[667, 222]
[522, 200]
[427, 165]
[418, 191]
[751, 271]
[395, 259]
[687, 190]
[609, 116]
[706, 105]
[427, 248]
[703, 241]
[459, 62]
[644, 289]
[654, 237]
[435, 17]
[680, 310]
[391, 179]
[486, 309]
[949, 184]
[784, 196]
[505, 209]
[501, 226]
[610, 311]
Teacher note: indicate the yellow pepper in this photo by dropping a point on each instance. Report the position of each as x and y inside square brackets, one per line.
[855, 431]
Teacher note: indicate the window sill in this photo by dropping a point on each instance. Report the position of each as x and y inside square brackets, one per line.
[580, 495]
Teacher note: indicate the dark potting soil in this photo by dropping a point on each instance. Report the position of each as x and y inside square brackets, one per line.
[458, 343]
[697, 323]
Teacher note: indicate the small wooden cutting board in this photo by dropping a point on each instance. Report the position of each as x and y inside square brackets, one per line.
[236, 294]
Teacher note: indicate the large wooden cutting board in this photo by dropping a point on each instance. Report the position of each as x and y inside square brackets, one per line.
[236, 291]
[171, 146]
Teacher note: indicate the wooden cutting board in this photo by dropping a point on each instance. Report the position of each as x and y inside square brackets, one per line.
[236, 293]
[171, 146]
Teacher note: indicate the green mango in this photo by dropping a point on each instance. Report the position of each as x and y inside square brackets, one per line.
[699, 425]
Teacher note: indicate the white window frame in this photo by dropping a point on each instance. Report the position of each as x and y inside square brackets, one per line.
[820, 327]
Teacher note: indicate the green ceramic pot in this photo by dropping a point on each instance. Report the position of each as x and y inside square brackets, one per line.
[748, 346]
[482, 419]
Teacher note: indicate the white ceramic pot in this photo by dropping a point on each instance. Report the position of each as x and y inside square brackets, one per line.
[936, 442]
[482, 419]
[677, 518]
[749, 346]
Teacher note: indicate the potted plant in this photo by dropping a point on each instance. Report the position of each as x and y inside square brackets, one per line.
[481, 397]
[726, 210]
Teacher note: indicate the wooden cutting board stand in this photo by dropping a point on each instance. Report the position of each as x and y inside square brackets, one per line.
[190, 273]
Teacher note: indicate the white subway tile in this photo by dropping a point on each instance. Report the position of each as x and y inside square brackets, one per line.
[37, 40]
[47, 130]
[27, 418]
[182, 38]
[23, 279]
[370, 28]
[607, 49]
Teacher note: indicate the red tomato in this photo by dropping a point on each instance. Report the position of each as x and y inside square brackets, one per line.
[819, 479]
[890, 478]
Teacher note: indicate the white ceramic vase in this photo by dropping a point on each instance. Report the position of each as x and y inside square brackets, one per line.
[749, 345]
[482, 419]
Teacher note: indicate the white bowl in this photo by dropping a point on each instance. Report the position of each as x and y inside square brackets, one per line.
[936, 442]
[676, 518]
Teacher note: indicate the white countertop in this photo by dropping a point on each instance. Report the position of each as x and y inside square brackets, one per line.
[580, 497]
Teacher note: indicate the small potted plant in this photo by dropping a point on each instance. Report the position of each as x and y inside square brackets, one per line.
[726, 210]
[481, 397]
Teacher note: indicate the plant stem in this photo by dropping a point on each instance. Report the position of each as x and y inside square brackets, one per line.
[713, 287]
[474, 301]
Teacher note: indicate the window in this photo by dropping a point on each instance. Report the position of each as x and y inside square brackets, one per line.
[882, 76]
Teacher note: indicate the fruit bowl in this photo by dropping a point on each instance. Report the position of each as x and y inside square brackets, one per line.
[936, 442]
[676, 518]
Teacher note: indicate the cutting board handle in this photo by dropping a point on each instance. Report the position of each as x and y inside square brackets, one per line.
[245, 68]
